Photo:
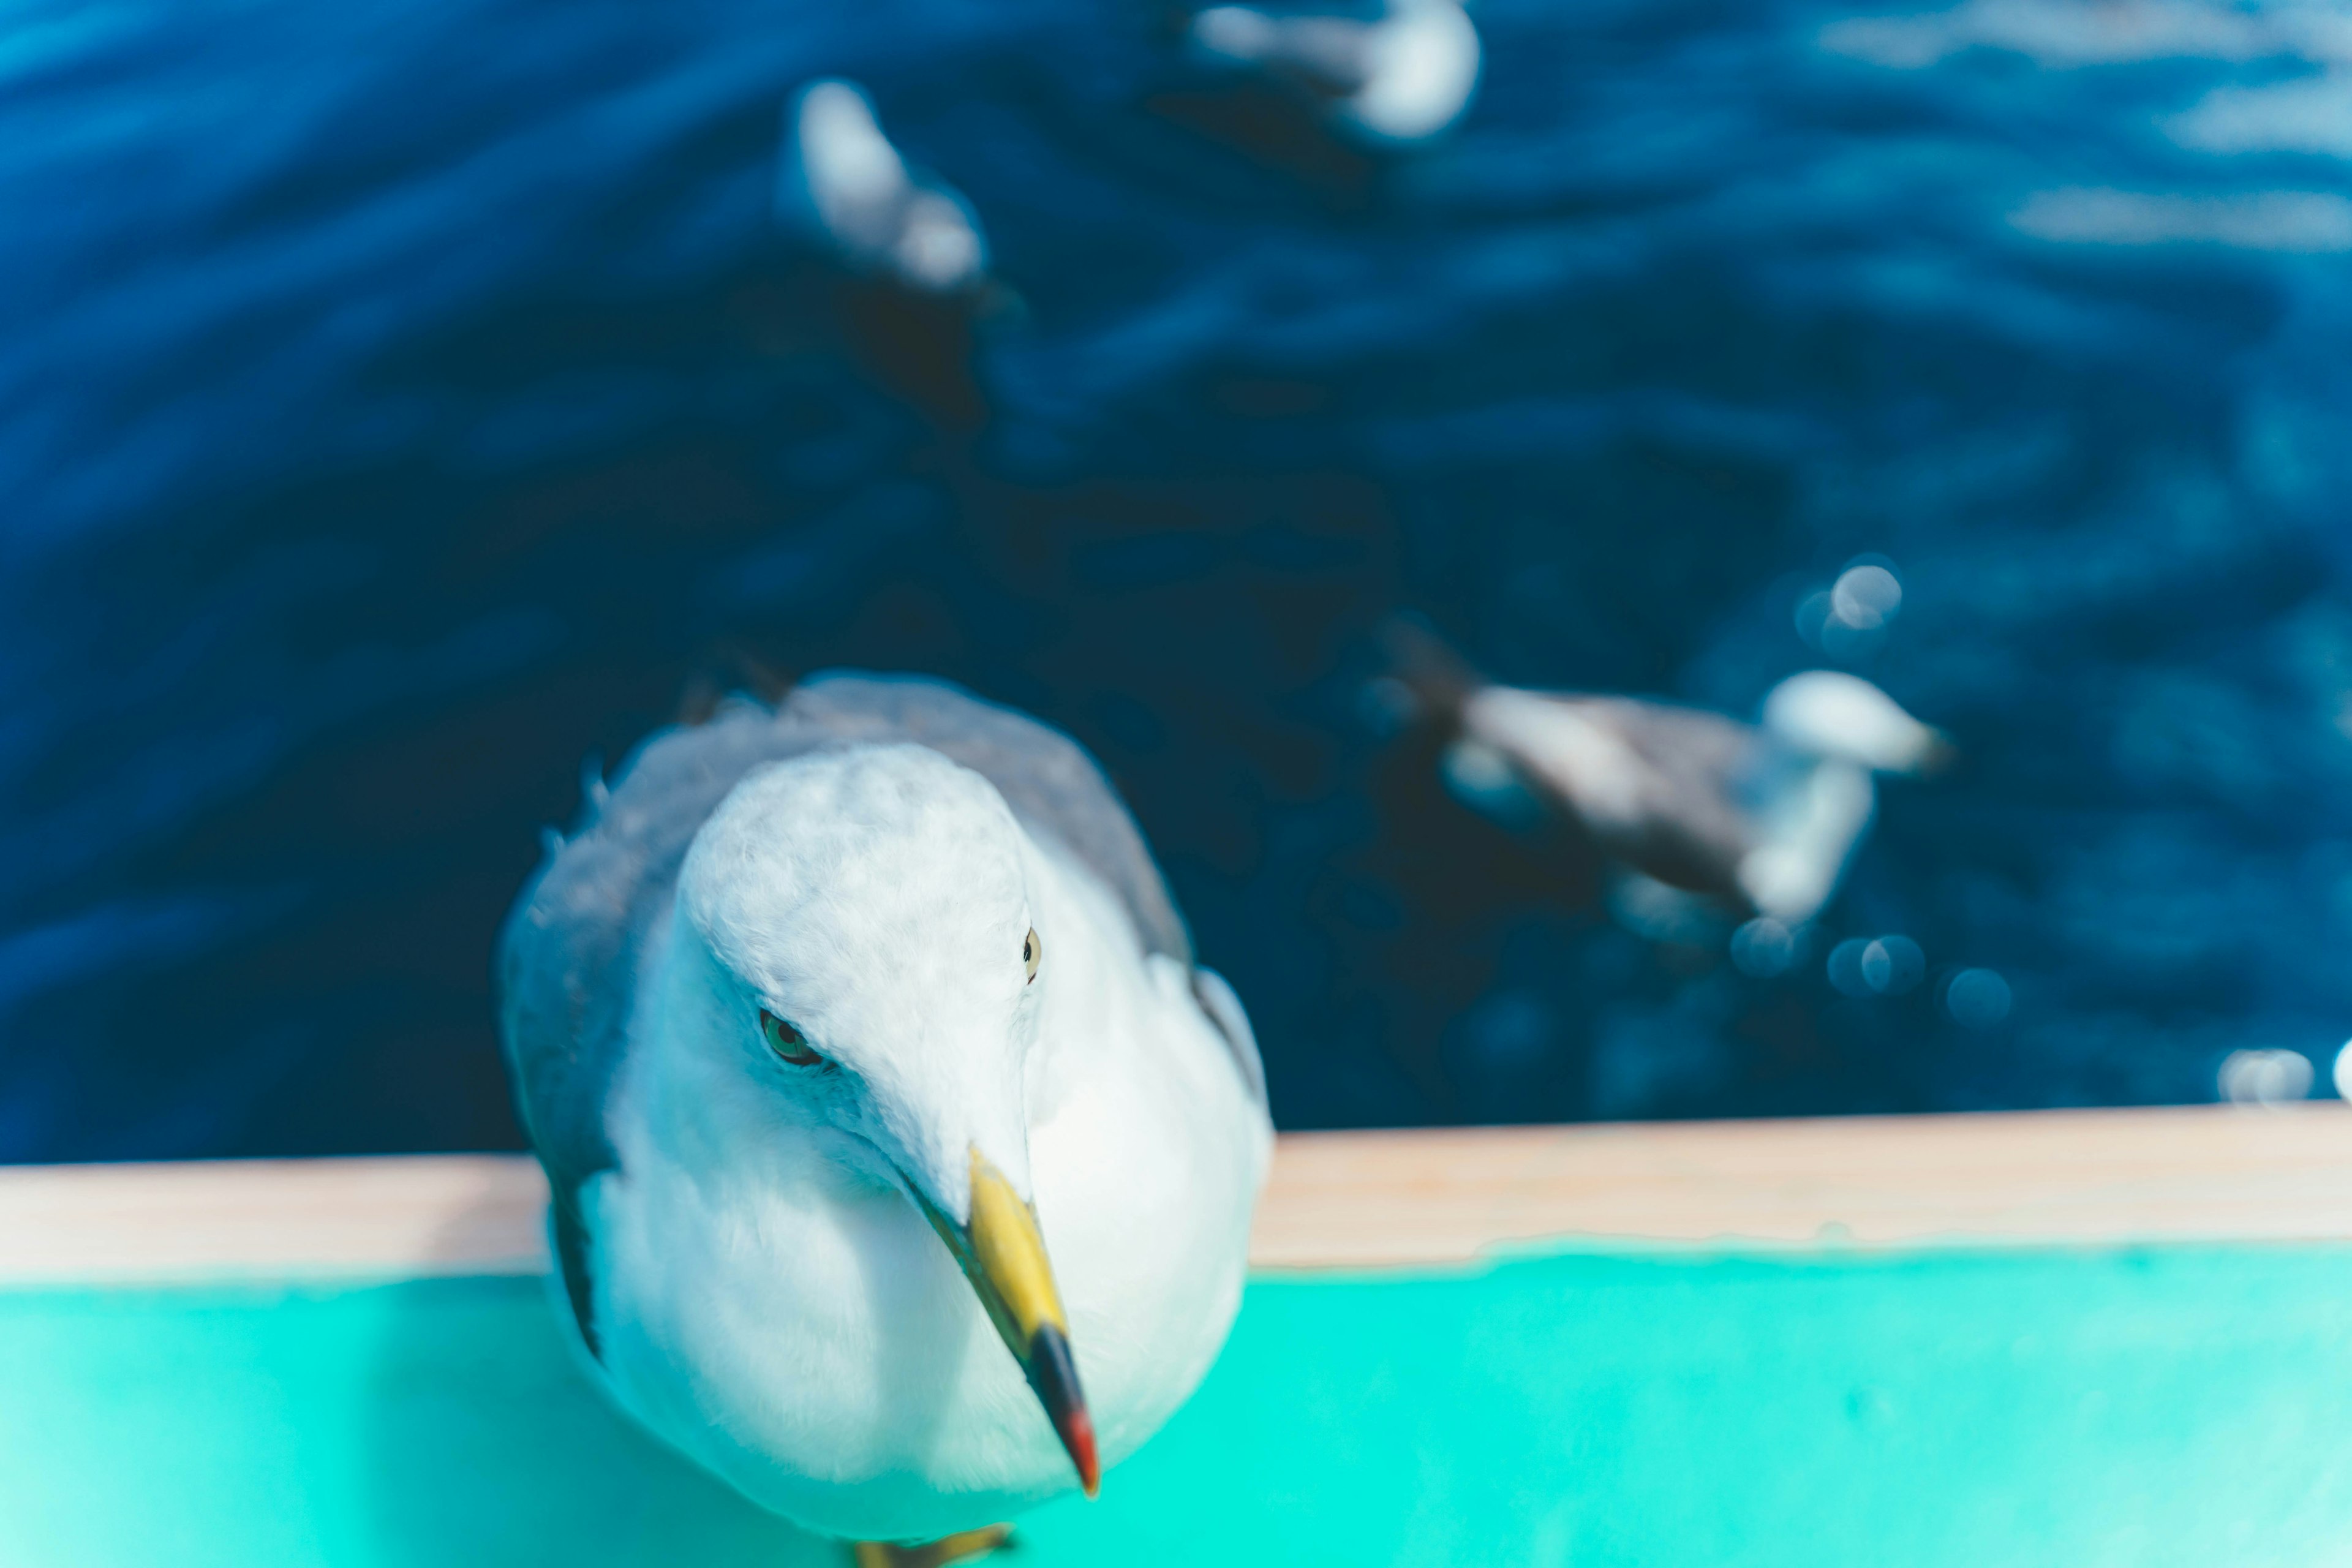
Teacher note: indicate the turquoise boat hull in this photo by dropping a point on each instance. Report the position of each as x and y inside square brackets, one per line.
[2139, 1406]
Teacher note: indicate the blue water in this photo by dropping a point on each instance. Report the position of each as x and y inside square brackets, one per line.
[401, 401]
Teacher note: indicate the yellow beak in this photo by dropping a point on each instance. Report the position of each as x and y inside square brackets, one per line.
[1003, 1256]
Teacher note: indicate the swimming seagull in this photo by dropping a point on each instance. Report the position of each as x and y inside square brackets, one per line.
[841, 178]
[831, 1027]
[1399, 78]
[1764, 815]
[911, 283]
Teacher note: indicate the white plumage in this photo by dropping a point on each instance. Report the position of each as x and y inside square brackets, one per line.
[762, 1289]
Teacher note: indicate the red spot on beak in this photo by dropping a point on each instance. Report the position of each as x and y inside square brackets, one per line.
[1077, 1430]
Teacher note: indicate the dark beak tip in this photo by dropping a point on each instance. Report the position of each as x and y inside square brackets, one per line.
[1053, 1373]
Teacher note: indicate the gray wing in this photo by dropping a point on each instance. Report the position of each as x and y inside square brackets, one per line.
[568, 958]
[1698, 827]
[1682, 742]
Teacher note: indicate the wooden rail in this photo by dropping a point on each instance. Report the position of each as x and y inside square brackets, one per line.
[1336, 1199]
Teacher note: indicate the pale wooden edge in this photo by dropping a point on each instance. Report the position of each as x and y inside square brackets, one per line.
[1336, 1200]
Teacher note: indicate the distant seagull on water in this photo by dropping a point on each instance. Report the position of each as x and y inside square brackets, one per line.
[1764, 815]
[912, 260]
[844, 180]
[1397, 76]
[834, 1025]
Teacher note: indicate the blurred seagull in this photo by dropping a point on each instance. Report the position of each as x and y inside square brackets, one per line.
[841, 177]
[833, 1023]
[1398, 78]
[914, 260]
[1764, 815]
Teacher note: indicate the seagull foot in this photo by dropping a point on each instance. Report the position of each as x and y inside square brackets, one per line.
[964, 1546]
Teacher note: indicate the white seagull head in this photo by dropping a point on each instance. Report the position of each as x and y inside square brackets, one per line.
[873, 903]
[1833, 732]
[864, 960]
[1829, 714]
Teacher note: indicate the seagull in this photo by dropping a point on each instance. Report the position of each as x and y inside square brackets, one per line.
[912, 262]
[1764, 815]
[862, 1045]
[1398, 79]
[842, 179]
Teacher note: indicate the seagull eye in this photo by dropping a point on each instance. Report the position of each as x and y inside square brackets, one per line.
[786, 1041]
[1032, 950]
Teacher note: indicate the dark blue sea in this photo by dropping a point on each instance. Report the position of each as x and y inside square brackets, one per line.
[404, 400]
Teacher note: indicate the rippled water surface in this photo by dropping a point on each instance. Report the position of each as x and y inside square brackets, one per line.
[400, 401]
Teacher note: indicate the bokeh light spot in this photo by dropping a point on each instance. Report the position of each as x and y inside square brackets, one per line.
[2265, 1077]
[1867, 597]
[1765, 947]
[1977, 999]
